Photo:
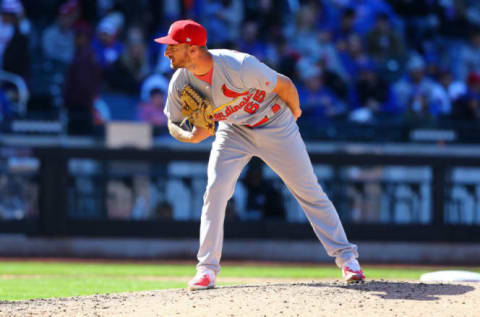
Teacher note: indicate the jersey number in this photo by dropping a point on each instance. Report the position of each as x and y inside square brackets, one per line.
[259, 96]
[251, 107]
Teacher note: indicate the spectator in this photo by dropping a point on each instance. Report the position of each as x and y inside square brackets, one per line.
[223, 18]
[128, 72]
[250, 42]
[453, 88]
[364, 192]
[366, 12]
[386, 46]
[120, 199]
[303, 35]
[353, 56]
[315, 45]
[467, 107]
[328, 56]
[318, 101]
[82, 84]
[452, 18]
[419, 96]
[420, 19]
[16, 6]
[282, 33]
[371, 93]
[346, 26]
[145, 197]
[18, 198]
[108, 48]
[469, 59]
[151, 111]
[286, 58]
[59, 38]
[153, 81]
[268, 14]
[326, 16]
[14, 53]
[472, 13]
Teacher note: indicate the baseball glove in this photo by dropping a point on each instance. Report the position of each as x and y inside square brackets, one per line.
[196, 109]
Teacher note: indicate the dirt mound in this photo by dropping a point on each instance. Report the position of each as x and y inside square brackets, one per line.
[316, 298]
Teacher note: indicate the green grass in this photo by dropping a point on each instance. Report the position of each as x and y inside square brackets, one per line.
[27, 280]
[65, 286]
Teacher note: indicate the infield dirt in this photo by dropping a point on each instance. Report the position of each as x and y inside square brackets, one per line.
[260, 298]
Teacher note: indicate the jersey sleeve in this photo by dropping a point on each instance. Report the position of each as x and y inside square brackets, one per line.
[173, 105]
[255, 74]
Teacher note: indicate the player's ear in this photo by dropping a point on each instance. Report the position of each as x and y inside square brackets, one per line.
[195, 49]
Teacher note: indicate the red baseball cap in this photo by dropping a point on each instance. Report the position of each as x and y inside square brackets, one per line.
[185, 32]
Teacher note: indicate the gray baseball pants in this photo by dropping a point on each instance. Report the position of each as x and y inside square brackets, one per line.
[279, 144]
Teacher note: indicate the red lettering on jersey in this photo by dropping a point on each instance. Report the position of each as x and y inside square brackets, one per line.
[219, 116]
[275, 108]
[232, 94]
[259, 96]
[247, 105]
[232, 109]
[251, 107]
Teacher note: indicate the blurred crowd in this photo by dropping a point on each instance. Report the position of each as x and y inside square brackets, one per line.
[364, 61]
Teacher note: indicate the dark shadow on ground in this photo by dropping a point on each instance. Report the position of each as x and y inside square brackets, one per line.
[411, 290]
[386, 289]
[406, 290]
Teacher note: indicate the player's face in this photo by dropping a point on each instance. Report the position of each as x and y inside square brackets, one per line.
[178, 55]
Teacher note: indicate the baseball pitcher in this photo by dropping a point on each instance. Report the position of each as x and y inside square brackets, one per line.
[256, 109]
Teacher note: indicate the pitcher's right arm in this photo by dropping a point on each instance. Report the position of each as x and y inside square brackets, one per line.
[197, 135]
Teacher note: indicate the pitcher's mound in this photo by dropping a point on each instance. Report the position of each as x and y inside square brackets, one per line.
[288, 298]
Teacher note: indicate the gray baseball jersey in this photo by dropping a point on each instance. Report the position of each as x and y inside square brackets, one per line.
[253, 121]
[240, 90]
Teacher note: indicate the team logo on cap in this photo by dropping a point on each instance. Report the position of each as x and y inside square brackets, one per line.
[188, 39]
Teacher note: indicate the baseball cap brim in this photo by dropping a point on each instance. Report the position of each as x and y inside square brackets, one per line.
[166, 40]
